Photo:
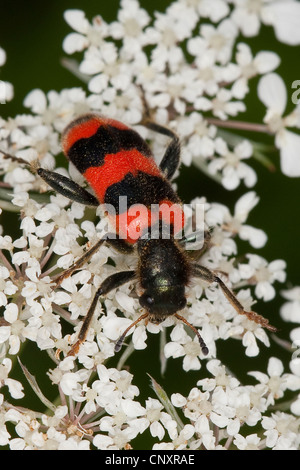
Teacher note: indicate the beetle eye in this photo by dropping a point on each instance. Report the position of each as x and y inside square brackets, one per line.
[181, 303]
[147, 301]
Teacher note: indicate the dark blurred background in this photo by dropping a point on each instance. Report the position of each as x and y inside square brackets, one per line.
[31, 33]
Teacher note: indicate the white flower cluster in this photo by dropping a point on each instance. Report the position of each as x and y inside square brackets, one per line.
[213, 83]
[223, 401]
[122, 61]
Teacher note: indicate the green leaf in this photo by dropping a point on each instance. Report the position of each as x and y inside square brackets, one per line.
[33, 383]
[166, 402]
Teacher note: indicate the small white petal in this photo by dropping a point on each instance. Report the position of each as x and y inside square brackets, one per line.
[21, 257]
[4, 436]
[74, 42]
[173, 350]
[284, 16]
[264, 290]
[295, 407]
[3, 299]
[290, 153]
[68, 383]
[266, 61]
[157, 430]
[4, 333]
[191, 363]
[250, 343]
[17, 444]
[4, 272]
[20, 243]
[178, 400]
[219, 420]
[272, 437]
[11, 313]
[230, 179]
[245, 204]
[272, 92]
[132, 408]
[256, 237]
[43, 214]
[103, 442]
[36, 100]
[2, 56]
[275, 367]
[28, 225]
[126, 302]
[15, 388]
[114, 326]
[233, 427]
[14, 345]
[139, 337]
[6, 92]
[77, 20]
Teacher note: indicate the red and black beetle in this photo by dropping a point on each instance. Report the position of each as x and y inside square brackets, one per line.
[118, 163]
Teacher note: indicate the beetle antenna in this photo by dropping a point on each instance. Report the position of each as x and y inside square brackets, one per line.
[120, 341]
[203, 346]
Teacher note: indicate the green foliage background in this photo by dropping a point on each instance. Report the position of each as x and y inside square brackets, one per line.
[31, 32]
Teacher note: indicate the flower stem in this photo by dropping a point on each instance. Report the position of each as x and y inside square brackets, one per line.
[245, 126]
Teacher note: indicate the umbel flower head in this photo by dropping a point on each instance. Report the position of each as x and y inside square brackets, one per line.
[193, 67]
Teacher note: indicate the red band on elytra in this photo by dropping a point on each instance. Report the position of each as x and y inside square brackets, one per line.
[85, 127]
[116, 166]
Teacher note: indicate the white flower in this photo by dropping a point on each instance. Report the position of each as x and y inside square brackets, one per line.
[86, 33]
[282, 431]
[250, 442]
[263, 62]
[235, 224]
[74, 444]
[215, 11]
[184, 345]
[290, 311]
[117, 383]
[250, 337]
[116, 440]
[223, 105]
[231, 164]
[199, 137]
[70, 383]
[130, 27]
[179, 439]
[7, 287]
[179, 88]
[158, 420]
[272, 92]
[283, 15]
[225, 403]
[14, 330]
[219, 40]
[104, 64]
[168, 31]
[276, 382]
[221, 378]
[265, 275]
[15, 388]
[256, 237]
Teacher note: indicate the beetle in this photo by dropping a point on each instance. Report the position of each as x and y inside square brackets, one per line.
[118, 163]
